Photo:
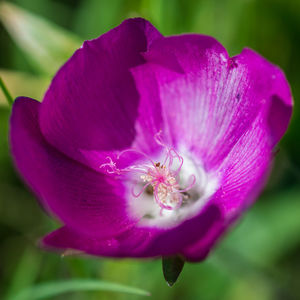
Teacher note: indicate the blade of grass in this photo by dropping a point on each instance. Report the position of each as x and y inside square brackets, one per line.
[23, 84]
[6, 93]
[51, 289]
[25, 273]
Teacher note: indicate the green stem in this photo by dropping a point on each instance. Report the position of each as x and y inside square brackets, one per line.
[5, 91]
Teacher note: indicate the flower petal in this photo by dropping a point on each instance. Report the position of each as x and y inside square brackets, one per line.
[137, 242]
[82, 198]
[92, 102]
[244, 172]
[198, 251]
[208, 100]
[246, 167]
[65, 238]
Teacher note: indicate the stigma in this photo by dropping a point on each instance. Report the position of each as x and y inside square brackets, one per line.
[158, 179]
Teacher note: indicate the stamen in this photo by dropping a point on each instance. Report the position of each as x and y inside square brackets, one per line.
[112, 165]
[189, 186]
[141, 191]
[161, 177]
[135, 151]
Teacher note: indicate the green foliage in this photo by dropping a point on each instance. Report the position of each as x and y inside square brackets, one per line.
[258, 260]
[6, 92]
[270, 229]
[106, 15]
[51, 289]
[46, 45]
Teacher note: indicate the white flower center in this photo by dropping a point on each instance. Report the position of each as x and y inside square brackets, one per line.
[165, 192]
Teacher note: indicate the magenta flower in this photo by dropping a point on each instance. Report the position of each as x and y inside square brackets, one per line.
[150, 146]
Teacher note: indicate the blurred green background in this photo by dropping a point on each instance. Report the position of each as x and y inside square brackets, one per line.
[260, 258]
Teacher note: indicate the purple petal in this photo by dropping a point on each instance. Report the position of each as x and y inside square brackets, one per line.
[137, 242]
[244, 172]
[273, 87]
[208, 100]
[199, 250]
[81, 198]
[92, 102]
[65, 238]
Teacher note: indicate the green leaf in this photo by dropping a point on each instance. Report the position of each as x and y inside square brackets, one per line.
[172, 267]
[52, 289]
[46, 45]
